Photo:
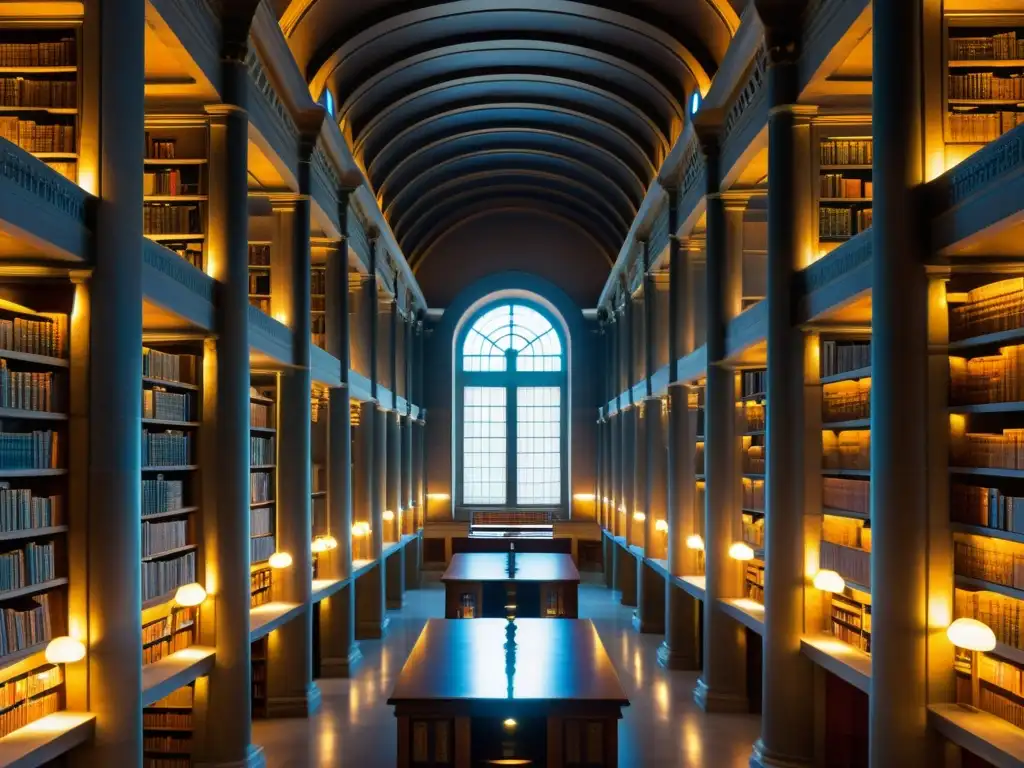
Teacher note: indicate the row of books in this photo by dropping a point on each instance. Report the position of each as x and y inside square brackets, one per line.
[989, 379]
[259, 679]
[753, 460]
[318, 330]
[987, 563]
[161, 576]
[1002, 674]
[26, 686]
[981, 86]
[21, 510]
[148, 761]
[849, 449]
[179, 698]
[23, 567]
[986, 507]
[849, 562]
[166, 449]
[48, 53]
[171, 219]
[1003, 614]
[191, 252]
[842, 222]
[981, 127]
[846, 151]
[754, 383]
[29, 450]
[850, 636]
[753, 581]
[163, 536]
[167, 182]
[259, 415]
[261, 487]
[260, 598]
[162, 495]
[176, 621]
[26, 390]
[168, 367]
[991, 700]
[259, 255]
[25, 625]
[151, 719]
[843, 493]
[259, 283]
[318, 281]
[159, 650]
[260, 549]
[262, 303]
[23, 92]
[753, 531]
[698, 458]
[1002, 47]
[28, 711]
[989, 308]
[837, 185]
[166, 743]
[846, 400]
[995, 451]
[38, 137]
[846, 531]
[317, 304]
[160, 149]
[37, 337]
[260, 580]
[752, 417]
[855, 615]
[262, 450]
[753, 493]
[261, 521]
[158, 403]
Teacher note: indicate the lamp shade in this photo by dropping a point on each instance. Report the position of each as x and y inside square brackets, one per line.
[741, 551]
[639, 516]
[319, 545]
[329, 542]
[280, 560]
[190, 595]
[64, 650]
[661, 525]
[694, 541]
[971, 635]
[829, 581]
[388, 515]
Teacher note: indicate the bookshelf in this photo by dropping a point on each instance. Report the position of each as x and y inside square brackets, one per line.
[263, 462]
[844, 187]
[259, 275]
[170, 424]
[40, 91]
[984, 88]
[258, 660]
[167, 730]
[318, 305]
[752, 386]
[175, 183]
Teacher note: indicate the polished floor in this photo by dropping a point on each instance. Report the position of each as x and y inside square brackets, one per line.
[661, 727]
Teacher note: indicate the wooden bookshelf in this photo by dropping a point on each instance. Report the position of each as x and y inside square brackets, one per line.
[259, 678]
[175, 185]
[844, 185]
[318, 304]
[167, 730]
[259, 275]
[170, 422]
[263, 466]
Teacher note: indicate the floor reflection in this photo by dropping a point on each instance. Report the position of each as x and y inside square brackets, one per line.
[662, 727]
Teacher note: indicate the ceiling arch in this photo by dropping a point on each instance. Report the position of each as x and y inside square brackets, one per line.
[565, 106]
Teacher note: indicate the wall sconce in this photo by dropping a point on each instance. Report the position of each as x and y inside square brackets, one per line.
[64, 650]
[190, 595]
[741, 551]
[389, 516]
[830, 583]
[661, 526]
[976, 637]
[639, 517]
[280, 560]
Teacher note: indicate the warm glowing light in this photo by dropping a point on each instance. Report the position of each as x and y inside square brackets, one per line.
[661, 525]
[329, 541]
[639, 516]
[280, 560]
[64, 650]
[746, 604]
[741, 551]
[389, 516]
[190, 595]
[281, 317]
[829, 581]
[971, 635]
[361, 528]
[584, 497]
[694, 541]
[439, 497]
[510, 724]
[318, 546]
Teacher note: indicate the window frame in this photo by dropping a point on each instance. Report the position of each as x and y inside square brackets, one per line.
[511, 380]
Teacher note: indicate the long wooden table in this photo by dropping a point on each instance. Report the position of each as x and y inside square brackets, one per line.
[468, 696]
[479, 585]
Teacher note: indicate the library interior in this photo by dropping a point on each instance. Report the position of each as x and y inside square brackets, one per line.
[511, 382]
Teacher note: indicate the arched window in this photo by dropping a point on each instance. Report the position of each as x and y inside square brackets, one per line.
[511, 405]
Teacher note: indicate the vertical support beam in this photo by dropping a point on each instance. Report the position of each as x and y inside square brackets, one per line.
[222, 723]
[722, 686]
[108, 621]
[899, 520]
[339, 650]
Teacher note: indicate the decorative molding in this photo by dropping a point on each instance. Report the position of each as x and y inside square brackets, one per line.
[749, 93]
[264, 86]
[693, 166]
[170, 264]
[38, 179]
[995, 160]
[275, 330]
[849, 256]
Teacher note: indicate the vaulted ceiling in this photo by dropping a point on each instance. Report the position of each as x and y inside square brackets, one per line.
[454, 108]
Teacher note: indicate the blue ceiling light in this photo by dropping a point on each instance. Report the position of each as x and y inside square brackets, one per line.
[694, 102]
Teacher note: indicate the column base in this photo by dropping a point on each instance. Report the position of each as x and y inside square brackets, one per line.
[672, 659]
[647, 627]
[372, 630]
[713, 701]
[762, 758]
[295, 706]
[341, 667]
[254, 759]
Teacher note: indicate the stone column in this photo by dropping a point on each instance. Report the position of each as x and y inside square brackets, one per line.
[419, 459]
[408, 500]
[104, 611]
[226, 739]
[898, 406]
[291, 691]
[722, 685]
[339, 650]
[628, 572]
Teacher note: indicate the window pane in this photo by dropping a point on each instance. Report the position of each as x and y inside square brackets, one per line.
[483, 445]
[538, 445]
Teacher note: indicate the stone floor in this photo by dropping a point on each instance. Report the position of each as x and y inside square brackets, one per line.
[662, 727]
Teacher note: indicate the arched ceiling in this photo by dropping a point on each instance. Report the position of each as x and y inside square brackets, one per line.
[454, 108]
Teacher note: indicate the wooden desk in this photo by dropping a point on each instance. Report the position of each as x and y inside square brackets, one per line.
[461, 685]
[478, 585]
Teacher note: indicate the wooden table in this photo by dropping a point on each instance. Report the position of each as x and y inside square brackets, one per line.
[478, 585]
[467, 697]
